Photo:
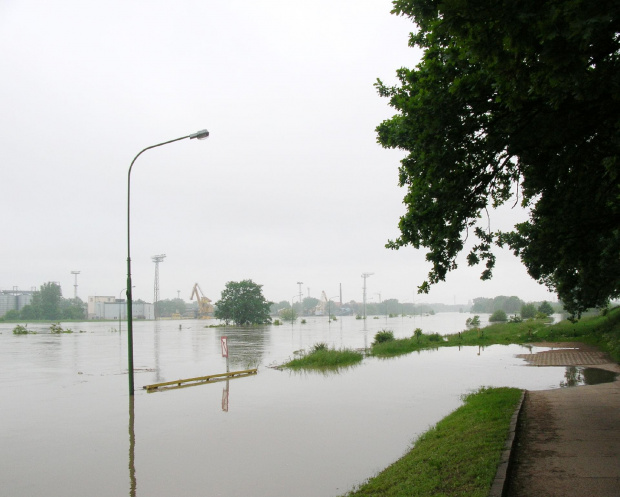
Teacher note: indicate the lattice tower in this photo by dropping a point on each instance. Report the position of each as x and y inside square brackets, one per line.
[157, 259]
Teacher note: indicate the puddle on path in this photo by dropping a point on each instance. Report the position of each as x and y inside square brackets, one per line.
[576, 376]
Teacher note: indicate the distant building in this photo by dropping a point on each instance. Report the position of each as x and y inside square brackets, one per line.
[96, 306]
[105, 307]
[14, 300]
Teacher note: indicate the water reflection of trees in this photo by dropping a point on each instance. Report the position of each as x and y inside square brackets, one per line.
[572, 376]
[587, 376]
[246, 345]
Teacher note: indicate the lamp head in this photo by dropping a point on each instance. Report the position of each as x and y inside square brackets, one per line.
[201, 135]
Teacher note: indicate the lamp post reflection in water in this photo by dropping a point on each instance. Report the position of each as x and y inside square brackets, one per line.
[132, 449]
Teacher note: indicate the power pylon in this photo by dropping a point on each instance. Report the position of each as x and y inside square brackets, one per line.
[157, 259]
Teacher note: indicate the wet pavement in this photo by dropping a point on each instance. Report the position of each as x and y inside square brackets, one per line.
[568, 439]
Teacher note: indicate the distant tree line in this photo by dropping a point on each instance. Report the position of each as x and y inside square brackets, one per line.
[527, 311]
[168, 307]
[512, 305]
[49, 304]
[391, 307]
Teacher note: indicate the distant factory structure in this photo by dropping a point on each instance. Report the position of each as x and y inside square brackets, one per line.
[105, 307]
[14, 299]
[99, 307]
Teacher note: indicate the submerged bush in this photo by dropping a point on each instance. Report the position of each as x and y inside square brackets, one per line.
[498, 316]
[473, 322]
[56, 328]
[319, 346]
[22, 330]
[384, 336]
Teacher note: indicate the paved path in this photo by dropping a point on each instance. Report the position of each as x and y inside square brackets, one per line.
[569, 438]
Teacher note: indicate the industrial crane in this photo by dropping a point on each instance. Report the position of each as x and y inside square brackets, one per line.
[204, 304]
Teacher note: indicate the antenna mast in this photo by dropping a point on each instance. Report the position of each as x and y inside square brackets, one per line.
[75, 285]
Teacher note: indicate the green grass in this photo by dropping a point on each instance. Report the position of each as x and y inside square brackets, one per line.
[401, 346]
[322, 358]
[458, 457]
[602, 331]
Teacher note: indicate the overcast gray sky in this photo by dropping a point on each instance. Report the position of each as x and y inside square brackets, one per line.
[291, 185]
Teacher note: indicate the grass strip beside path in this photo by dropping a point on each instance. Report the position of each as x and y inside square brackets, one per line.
[458, 457]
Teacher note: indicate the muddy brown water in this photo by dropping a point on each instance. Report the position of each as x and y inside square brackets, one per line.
[68, 428]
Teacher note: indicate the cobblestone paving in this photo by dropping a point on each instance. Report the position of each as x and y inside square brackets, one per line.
[565, 357]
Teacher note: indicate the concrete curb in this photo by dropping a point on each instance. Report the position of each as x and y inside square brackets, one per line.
[501, 476]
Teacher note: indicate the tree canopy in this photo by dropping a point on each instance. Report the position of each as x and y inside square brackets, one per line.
[48, 304]
[513, 100]
[510, 305]
[168, 307]
[528, 311]
[545, 308]
[243, 303]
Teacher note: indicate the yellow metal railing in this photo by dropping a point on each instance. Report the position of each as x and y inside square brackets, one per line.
[201, 379]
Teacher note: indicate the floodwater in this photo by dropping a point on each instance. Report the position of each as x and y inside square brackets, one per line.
[69, 428]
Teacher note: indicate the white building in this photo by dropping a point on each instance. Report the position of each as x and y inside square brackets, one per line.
[105, 307]
[95, 306]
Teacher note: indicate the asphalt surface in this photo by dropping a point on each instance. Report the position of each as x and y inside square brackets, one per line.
[568, 439]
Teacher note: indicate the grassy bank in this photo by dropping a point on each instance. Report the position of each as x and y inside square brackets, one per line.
[459, 456]
[602, 331]
[323, 358]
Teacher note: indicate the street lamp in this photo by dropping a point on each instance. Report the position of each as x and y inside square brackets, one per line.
[292, 309]
[329, 309]
[120, 310]
[200, 135]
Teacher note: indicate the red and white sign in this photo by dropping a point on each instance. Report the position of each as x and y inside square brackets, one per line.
[224, 346]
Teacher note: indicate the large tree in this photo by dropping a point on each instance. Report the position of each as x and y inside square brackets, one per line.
[243, 303]
[513, 99]
[48, 303]
[45, 304]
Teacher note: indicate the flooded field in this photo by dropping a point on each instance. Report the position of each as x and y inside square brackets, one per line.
[68, 427]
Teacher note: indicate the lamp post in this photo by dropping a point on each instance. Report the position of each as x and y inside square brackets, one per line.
[120, 309]
[329, 309]
[200, 135]
[292, 309]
